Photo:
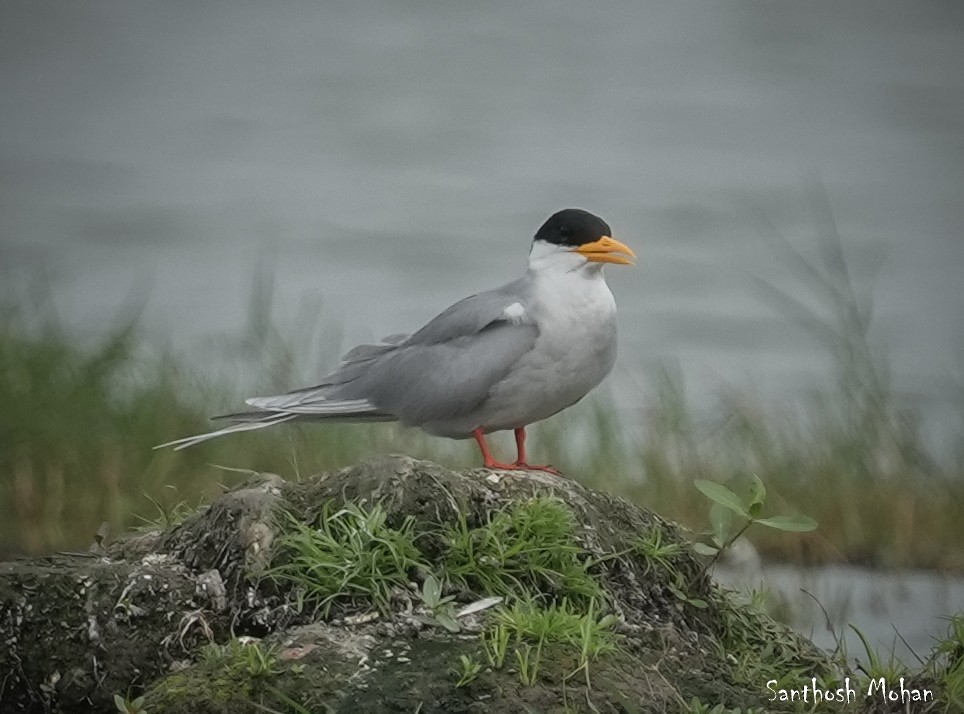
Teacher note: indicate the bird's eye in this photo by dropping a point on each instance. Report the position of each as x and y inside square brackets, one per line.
[564, 231]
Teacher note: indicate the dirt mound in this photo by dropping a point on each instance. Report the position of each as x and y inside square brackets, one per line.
[391, 586]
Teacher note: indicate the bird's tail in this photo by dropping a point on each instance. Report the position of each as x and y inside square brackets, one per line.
[270, 413]
[266, 419]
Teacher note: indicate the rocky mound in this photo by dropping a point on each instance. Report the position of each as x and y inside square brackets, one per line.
[391, 586]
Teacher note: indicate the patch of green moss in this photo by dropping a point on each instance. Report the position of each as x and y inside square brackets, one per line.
[226, 678]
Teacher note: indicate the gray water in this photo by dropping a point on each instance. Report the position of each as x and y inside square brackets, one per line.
[900, 613]
[389, 158]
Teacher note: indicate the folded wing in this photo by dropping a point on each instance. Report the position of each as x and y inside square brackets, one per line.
[443, 371]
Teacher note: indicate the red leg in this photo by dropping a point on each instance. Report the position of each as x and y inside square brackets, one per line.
[520, 465]
[488, 461]
[520, 445]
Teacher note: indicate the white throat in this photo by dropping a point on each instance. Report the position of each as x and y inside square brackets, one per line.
[548, 259]
[570, 292]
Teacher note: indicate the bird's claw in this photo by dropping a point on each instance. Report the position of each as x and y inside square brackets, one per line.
[521, 466]
[538, 467]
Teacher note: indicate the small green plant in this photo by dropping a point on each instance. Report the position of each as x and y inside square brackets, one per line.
[261, 661]
[591, 642]
[531, 629]
[351, 553]
[495, 641]
[559, 623]
[660, 555]
[129, 706]
[248, 656]
[891, 669]
[947, 664]
[431, 594]
[468, 670]
[657, 554]
[723, 533]
[441, 606]
[165, 515]
[529, 663]
[679, 587]
[527, 547]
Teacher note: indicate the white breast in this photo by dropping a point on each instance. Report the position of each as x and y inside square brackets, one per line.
[576, 348]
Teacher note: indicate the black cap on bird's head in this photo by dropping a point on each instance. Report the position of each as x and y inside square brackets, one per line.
[573, 227]
[587, 234]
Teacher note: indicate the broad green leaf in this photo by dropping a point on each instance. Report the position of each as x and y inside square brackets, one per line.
[431, 590]
[718, 493]
[705, 549]
[721, 520]
[448, 622]
[797, 524]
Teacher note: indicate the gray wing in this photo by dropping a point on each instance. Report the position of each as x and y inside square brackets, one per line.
[444, 370]
[471, 315]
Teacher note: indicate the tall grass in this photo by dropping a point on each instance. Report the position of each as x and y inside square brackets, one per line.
[871, 510]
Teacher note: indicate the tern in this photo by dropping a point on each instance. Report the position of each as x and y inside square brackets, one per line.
[496, 361]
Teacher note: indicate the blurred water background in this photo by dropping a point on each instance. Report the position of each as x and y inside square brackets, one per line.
[381, 160]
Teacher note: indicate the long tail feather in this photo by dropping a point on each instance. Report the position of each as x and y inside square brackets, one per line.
[187, 441]
[269, 414]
